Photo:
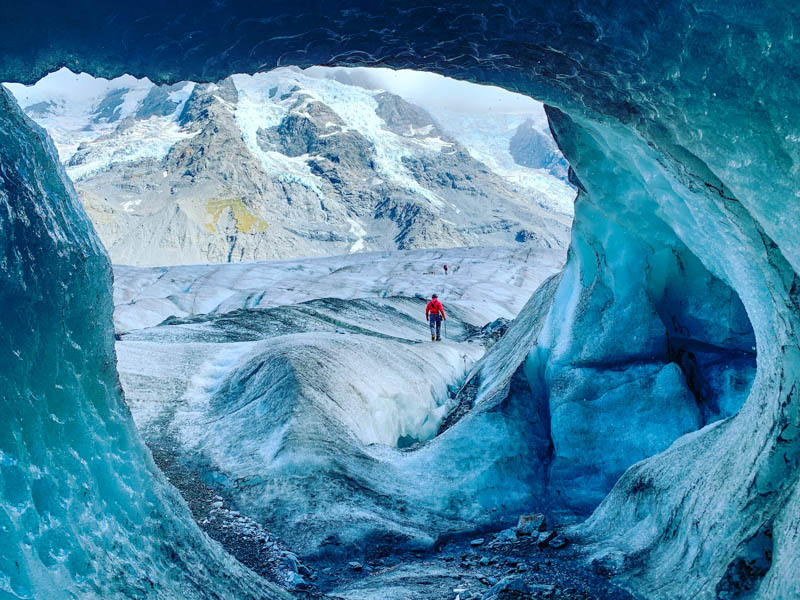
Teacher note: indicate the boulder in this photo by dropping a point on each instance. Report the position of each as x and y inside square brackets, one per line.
[530, 524]
[544, 538]
[513, 586]
[477, 542]
[291, 562]
[297, 582]
[507, 535]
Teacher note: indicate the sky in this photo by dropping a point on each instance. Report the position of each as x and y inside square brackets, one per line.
[431, 89]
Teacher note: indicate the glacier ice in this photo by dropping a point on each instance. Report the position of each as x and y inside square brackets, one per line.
[681, 122]
[707, 468]
[491, 282]
[302, 411]
[84, 512]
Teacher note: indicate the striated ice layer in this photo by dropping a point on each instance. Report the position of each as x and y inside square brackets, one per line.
[83, 511]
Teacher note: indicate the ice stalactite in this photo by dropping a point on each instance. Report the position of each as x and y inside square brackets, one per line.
[84, 513]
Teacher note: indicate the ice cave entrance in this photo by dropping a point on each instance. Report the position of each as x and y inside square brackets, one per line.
[304, 166]
[275, 238]
[302, 163]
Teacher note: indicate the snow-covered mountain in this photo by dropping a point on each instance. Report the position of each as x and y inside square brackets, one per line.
[507, 132]
[288, 163]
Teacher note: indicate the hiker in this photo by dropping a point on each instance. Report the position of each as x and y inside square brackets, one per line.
[445, 269]
[434, 312]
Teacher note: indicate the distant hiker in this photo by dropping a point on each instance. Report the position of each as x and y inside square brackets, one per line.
[434, 312]
[445, 269]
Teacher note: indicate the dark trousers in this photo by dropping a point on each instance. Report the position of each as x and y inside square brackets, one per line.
[436, 325]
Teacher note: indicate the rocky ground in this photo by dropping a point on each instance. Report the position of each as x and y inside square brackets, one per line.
[530, 561]
[521, 562]
[518, 563]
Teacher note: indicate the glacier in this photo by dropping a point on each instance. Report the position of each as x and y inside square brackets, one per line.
[269, 362]
[680, 123]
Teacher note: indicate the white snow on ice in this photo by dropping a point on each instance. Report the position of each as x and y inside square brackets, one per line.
[491, 282]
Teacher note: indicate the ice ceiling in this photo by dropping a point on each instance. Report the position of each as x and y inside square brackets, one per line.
[681, 122]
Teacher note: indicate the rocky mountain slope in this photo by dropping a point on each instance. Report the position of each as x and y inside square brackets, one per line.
[284, 164]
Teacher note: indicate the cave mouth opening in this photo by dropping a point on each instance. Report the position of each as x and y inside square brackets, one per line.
[687, 510]
[289, 164]
[303, 162]
[292, 163]
[147, 160]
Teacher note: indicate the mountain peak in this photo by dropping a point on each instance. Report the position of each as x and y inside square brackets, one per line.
[180, 173]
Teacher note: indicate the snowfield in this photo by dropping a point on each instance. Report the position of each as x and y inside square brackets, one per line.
[487, 282]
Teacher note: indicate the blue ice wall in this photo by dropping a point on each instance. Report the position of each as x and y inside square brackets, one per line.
[83, 511]
[693, 507]
[646, 344]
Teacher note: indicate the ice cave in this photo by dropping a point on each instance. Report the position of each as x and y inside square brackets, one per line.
[645, 397]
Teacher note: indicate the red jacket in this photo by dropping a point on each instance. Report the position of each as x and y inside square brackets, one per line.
[434, 307]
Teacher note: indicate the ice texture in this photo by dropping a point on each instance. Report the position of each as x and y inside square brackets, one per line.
[681, 122]
[489, 282]
[300, 387]
[84, 513]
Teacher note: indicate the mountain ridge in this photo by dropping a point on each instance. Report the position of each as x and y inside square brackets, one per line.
[281, 165]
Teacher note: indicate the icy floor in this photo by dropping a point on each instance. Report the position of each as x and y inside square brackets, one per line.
[292, 390]
[177, 369]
